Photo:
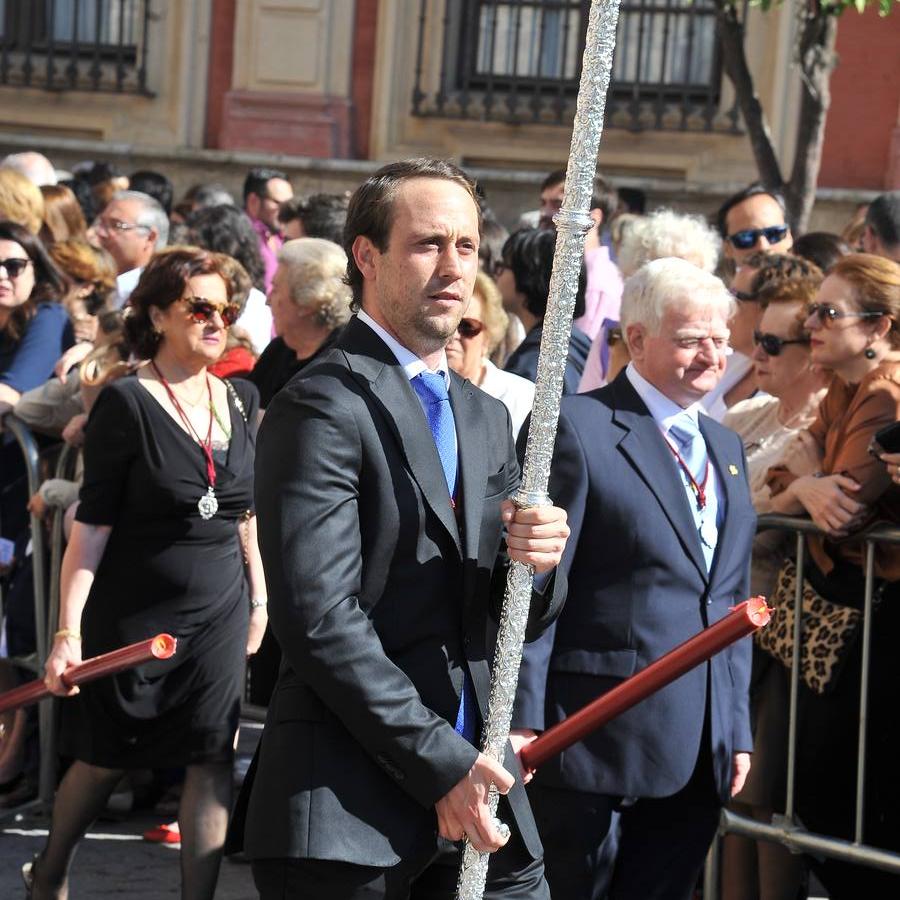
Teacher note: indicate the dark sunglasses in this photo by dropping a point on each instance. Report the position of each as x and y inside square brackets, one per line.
[772, 344]
[202, 311]
[827, 315]
[747, 238]
[469, 328]
[14, 266]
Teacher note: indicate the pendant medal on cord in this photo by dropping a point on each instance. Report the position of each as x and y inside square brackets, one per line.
[208, 504]
[707, 530]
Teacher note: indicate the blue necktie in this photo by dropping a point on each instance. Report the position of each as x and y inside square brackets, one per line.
[431, 388]
[692, 447]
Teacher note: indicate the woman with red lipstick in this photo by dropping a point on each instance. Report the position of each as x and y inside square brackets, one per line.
[163, 536]
[854, 327]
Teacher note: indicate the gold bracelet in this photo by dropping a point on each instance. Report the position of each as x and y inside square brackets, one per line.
[67, 633]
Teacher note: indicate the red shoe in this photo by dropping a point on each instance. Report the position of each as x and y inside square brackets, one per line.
[163, 834]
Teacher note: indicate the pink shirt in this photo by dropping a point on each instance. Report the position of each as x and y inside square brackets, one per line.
[603, 296]
[269, 244]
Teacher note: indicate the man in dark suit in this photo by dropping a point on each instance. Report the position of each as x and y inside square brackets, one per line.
[662, 526]
[382, 486]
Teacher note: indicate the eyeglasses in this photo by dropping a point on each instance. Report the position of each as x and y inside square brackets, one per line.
[747, 237]
[110, 225]
[469, 328]
[14, 266]
[828, 315]
[772, 344]
[202, 311]
[613, 336]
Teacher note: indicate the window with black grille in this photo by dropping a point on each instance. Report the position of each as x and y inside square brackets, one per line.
[520, 61]
[74, 44]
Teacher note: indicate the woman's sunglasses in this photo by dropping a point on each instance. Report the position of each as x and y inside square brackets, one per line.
[469, 328]
[747, 237]
[772, 344]
[827, 315]
[202, 311]
[14, 266]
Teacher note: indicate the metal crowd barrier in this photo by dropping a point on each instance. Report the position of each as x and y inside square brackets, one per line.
[786, 829]
[46, 599]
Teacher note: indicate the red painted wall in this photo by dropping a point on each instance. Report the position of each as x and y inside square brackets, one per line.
[862, 128]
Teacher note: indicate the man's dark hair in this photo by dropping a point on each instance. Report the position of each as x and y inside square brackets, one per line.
[883, 217]
[226, 229]
[371, 210]
[752, 190]
[820, 247]
[258, 178]
[604, 196]
[156, 185]
[632, 200]
[493, 237]
[528, 253]
[557, 176]
[82, 191]
[322, 215]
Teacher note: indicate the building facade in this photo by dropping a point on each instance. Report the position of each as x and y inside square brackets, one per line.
[204, 88]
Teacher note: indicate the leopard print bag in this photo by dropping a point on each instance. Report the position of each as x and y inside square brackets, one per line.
[829, 631]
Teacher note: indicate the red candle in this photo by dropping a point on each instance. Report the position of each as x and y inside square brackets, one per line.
[744, 619]
[160, 647]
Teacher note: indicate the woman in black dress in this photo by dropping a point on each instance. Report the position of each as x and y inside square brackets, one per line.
[163, 534]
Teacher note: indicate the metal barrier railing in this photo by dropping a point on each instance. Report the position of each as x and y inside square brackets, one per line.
[786, 830]
[46, 710]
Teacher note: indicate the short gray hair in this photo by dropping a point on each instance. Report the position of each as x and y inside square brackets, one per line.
[667, 282]
[665, 233]
[150, 215]
[315, 272]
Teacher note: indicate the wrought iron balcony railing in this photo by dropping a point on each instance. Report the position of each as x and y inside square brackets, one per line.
[519, 61]
[67, 45]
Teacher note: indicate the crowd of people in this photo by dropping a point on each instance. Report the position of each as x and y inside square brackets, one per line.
[717, 369]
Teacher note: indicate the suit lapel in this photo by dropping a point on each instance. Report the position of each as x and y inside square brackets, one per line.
[470, 431]
[391, 392]
[646, 448]
[727, 487]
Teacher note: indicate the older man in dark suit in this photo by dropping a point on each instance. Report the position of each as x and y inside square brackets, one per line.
[382, 486]
[662, 526]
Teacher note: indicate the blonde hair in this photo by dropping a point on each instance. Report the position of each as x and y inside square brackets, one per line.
[21, 201]
[315, 273]
[496, 321]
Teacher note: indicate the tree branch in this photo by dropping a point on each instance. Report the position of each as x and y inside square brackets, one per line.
[817, 59]
[734, 60]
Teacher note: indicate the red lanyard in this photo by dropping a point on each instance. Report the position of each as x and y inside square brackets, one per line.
[205, 445]
[699, 489]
